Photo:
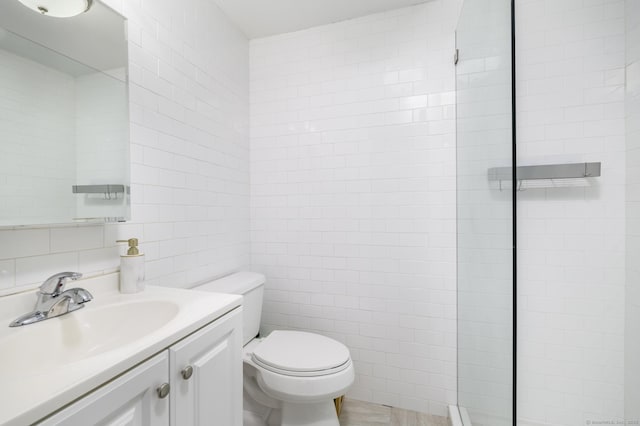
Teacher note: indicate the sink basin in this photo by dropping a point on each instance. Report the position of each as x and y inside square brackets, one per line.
[82, 334]
[49, 364]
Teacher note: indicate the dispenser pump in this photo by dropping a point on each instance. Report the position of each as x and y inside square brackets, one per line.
[131, 268]
[133, 246]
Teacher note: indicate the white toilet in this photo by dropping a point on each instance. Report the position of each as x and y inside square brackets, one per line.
[290, 377]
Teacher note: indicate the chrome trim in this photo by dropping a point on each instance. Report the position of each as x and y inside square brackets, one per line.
[53, 300]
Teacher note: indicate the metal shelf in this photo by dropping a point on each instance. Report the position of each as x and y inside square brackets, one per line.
[109, 191]
[547, 171]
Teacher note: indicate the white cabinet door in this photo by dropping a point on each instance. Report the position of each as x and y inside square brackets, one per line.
[130, 400]
[212, 395]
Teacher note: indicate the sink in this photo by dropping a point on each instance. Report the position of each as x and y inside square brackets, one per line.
[49, 364]
[37, 348]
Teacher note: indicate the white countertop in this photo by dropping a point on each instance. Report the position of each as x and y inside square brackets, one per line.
[29, 394]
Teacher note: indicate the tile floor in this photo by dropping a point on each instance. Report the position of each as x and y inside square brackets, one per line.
[358, 413]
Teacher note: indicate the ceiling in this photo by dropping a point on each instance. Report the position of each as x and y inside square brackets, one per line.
[261, 18]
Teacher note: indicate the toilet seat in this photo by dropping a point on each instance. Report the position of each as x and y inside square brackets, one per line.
[301, 354]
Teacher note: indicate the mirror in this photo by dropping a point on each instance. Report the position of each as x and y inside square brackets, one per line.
[64, 117]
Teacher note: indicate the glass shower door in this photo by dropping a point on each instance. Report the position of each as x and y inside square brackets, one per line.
[485, 213]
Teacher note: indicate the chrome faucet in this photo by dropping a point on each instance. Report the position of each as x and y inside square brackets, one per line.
[53, 300]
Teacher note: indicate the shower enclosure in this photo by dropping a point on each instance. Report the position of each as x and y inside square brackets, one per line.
[485, 213]
[548, 234]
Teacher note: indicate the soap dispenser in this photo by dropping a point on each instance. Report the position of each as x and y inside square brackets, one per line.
[131, 268]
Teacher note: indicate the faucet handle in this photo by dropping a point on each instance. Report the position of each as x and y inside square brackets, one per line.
[54, 285]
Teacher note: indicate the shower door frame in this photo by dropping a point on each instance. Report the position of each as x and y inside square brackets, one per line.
[514, 212]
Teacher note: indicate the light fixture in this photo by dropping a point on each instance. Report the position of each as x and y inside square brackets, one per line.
[58, 8]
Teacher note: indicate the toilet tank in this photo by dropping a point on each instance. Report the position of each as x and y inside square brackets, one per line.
[250, 285]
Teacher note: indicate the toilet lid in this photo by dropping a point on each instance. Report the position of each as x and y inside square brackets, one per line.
[301, 353]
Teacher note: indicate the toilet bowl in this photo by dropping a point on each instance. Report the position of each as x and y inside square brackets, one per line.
[290, 378]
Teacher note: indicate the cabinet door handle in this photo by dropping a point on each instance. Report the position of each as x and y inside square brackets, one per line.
[187, 372]
[163, 390]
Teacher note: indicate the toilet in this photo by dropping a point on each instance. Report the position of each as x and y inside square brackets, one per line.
[290, 378]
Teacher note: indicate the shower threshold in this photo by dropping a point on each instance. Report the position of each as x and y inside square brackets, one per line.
[459, 416]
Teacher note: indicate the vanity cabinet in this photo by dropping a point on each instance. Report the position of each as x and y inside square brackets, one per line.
[130, 400]
[203, 376]
[206, 376]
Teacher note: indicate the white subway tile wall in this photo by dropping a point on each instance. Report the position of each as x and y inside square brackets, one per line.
[570, 62]
[353, 195]
[189, 101]
[632, 307]
[353, 190]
